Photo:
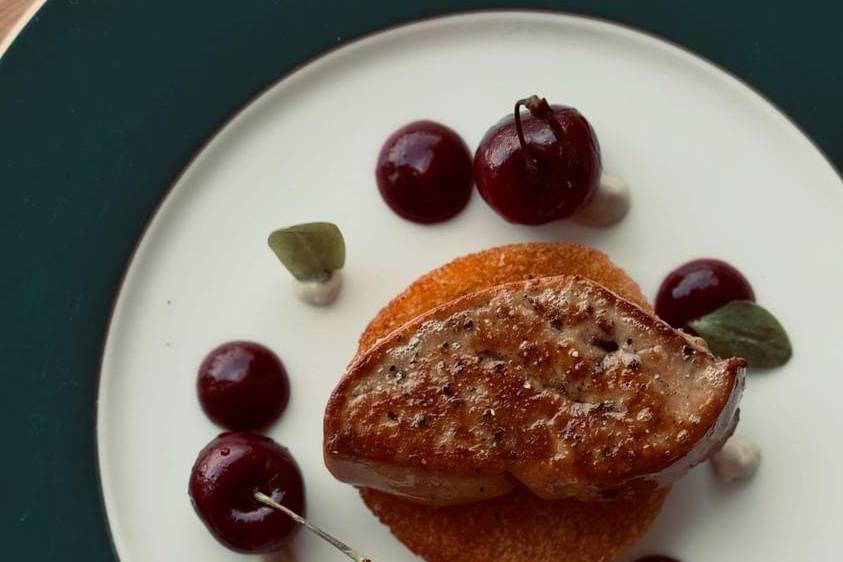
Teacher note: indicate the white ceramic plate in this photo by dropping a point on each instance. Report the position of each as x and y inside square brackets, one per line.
[715, 171]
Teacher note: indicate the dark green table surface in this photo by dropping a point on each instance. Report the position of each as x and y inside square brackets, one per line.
[103, 103]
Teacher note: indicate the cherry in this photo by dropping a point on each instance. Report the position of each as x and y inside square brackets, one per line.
[224, 479]
[424, 172]
[243, 385]
[697, 288]
[538, 168]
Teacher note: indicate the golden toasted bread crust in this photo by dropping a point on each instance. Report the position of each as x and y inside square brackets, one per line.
[517, 527]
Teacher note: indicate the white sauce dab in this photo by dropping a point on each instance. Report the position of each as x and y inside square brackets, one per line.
[737, 460]
[609, 204]
[319, 292]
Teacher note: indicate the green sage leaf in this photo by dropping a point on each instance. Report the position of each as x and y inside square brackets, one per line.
[309, 251]
[745, 329]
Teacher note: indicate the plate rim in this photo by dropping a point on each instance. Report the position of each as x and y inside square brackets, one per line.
[715, 69]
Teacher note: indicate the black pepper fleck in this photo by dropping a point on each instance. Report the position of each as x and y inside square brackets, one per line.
[608, 346]
[536, 304]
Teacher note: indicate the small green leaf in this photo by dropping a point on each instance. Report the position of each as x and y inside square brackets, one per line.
[310, 251]
[745, 329]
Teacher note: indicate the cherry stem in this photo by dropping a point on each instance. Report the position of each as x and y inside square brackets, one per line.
[541, 110]
[531, 160]
[341, 546]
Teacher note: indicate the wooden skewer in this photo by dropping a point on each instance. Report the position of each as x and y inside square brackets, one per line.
[341, 546]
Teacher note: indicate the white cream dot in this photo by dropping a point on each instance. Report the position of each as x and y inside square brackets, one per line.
[319, 292]
[608, 205]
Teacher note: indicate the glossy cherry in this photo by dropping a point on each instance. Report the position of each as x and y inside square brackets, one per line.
[224, 479]
[540, 167]
[698, 287]
[243, 385]
[424, 172]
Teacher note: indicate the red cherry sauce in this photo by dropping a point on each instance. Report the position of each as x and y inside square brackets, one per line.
[243, 385]
[224, 479]
[697, 288]
[424, 172]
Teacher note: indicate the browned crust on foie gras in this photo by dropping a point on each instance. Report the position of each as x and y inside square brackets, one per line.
[557, 383]
[517, 527]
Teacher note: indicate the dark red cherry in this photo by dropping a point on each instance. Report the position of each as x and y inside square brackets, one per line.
[698, 287]
[424, 172]
[243, 385]
[222, 485]
[540, 167]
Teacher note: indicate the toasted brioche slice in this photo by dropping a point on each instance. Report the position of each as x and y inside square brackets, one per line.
[556, 382]
[517, 527]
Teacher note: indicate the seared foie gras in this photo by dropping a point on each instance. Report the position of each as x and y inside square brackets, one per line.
[557, 383]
